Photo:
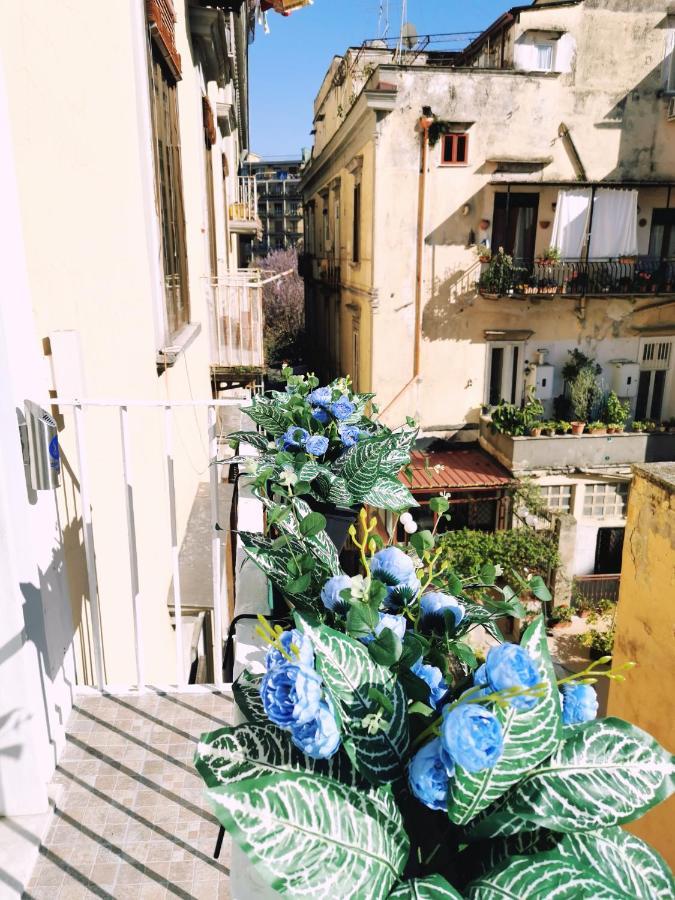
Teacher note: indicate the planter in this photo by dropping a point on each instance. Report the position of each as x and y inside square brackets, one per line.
[338, 520]
[560, 626]
[550, 432]
[535, 432]
[578, 427]
[598, 431]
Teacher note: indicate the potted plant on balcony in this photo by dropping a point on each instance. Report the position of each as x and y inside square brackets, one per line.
[563, 427]
[583, 392]
[597, 428]
[549, 428]
[319, 444]
[499, 276]
[550, 257]
[638, 427]
[379, 760]
[616, 413]
[484, 253]
[517, 421]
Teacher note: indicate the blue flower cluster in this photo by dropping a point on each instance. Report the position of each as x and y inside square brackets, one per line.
[396, 570]
[434, 605]
[471, 735]
[579, 703]
[325, 409]
[292, 696]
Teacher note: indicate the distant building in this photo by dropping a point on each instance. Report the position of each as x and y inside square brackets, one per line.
[279, 202]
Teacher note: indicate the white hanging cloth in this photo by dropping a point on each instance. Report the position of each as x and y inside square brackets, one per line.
[571, 222]
[614, 226]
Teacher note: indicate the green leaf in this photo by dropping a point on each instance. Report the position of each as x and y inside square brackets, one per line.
[299, 585]
[348, 673]
[537, 587]
[439, 505]
[418, 708]
[361, 619]
[269, 414]
[608, 864]
[488, 573]
[308, 471]
[309, 835]
[246, 690]
[414, 647]
[422, 541]
[246, 751]
[605, 772]
[360, 468]
[389, 493]
[530, 736]
[273, 561]
[435, 887]
[312, 524]
[387, 648]
[254, 438]
[464, 653]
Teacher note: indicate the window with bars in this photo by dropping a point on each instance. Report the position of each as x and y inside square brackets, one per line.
[557, 497]
[455, 150]
[169, 191]
[605, 501]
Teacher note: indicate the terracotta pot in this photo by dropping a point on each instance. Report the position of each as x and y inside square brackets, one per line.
[578, 427]
[535, 432]
[550, 432]
[598, 431]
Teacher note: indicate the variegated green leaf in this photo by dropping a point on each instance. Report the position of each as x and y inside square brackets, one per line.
[435, 887]
[606, 772]
[389, 493]
[397, 454]
[238, 752]
[530, 736]
[254, 438]
[268, 413]
[311, 837]
[360, 466]
[309, 471]
[246, 691]
[274, 563]
[339, 493]
[349, 673]
[609, 864]
[319, 544]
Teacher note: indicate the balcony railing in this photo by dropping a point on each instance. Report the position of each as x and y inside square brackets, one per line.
[236, 319]
[579, 277]
[243, 212]
[594, 588]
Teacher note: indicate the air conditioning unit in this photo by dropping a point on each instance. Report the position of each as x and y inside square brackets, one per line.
[670, 110]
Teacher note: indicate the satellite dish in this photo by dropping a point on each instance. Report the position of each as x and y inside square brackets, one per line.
[409, 35]
[377, 44]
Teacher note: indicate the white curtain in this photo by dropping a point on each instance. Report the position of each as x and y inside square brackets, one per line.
[571, 222]
[614, 226]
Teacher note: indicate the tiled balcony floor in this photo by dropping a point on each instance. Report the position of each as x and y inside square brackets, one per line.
[130, 818]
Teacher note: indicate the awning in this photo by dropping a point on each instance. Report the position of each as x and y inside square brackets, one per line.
[454, 470]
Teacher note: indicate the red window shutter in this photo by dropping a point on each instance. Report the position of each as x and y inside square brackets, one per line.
[162, 21]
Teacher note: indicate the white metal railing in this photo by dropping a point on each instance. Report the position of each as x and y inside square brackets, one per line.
[78, 408]
[236, 319]
[245, 206]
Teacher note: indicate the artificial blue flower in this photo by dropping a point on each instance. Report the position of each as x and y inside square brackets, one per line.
[330, 592]
[342, 408]
[429, 777]
[317, 445]
[320, 414]
[579, 703]
[471, 736]
[396, 571]
[434, 678]
[397, 624]
[291, 695]
[322, 396]
[289, 640]
[349, 435]
[480, 675]
[319, 738]
[293, 438]
[508, 666]
[434, 604]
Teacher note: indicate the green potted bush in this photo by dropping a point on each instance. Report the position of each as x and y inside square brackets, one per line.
[597, 427]
[517, 421]
[583, 392]
[599, 643]
[549, 428]
[638, 426]
[563, 427]
[616, 413]
[500, 275]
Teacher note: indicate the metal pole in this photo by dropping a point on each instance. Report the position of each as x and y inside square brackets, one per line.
[88, 540]
[133, 549]
[175, 566]
[216, 551]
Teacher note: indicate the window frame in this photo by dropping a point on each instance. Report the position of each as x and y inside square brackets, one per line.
[618, 489]
[512, 365]
[356, 223]
[454, 137]
[564, 491]
[169, 196]
[550, 47]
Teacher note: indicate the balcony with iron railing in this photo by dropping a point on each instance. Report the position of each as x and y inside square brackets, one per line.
[236, 320]
[243, 212]
[545, 278]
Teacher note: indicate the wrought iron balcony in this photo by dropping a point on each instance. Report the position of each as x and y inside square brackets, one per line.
[578, 277]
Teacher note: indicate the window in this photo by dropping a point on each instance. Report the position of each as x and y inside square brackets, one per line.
[455, 150]
[544, 57]
[605, 501]
[514, 224]
[669, 59]
[356, 231]
[336, 221]
[557, 497]
[169, 190]
[325, 232]
[654, 367]
[662, 236]
[278, 209]
[504, 373]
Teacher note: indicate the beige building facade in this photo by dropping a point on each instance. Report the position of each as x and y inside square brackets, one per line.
[556, 127]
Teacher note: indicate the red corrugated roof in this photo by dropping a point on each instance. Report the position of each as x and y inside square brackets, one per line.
[459, 469]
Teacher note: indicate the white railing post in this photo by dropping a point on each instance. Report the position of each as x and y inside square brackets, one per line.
[216, 550]
[88, 540]
[133, 549]
[175, 550]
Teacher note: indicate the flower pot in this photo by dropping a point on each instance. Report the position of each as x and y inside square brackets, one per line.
[550, 432]
[535, 432]
[338, 519]
[578, 427]
[599, 431]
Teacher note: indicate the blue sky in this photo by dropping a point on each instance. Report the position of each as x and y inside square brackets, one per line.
[287, 66]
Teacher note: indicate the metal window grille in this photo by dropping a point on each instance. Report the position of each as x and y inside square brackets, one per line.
[557, 497]
[605, 500]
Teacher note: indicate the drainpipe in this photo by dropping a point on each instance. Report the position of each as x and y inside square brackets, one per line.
[564, 133]
[424, 124]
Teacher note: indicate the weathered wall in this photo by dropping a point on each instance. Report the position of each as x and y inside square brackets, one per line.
[645, 629]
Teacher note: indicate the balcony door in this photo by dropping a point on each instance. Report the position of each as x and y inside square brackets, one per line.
[504, 372]
[662, 237]
[655, 359]
[515, 229]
